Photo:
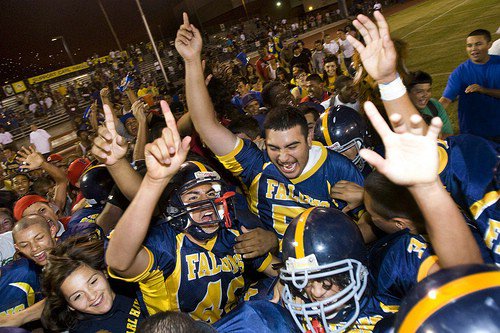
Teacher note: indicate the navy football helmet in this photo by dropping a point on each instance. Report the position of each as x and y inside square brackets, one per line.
[96, 184]
[217, 209]
[324, 245]
[340, 128]
[462, 299]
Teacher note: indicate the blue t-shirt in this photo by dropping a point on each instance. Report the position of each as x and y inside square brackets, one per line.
[477, 113]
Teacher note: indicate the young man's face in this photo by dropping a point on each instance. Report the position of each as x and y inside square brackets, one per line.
[314, 89]
[252, 108]
[43, 209]
[349, 93]
[318, 46]
[288, 150]
[242, 88]
[20, 185]
[319, 290]
[420, 95]
[132, 126]
[477, 49]
[6, 222]
[35, 242]
[380, 222]
[205, 215]
[311, 122]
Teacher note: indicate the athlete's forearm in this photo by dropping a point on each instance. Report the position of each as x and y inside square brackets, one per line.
[449, 234]
[131, 230]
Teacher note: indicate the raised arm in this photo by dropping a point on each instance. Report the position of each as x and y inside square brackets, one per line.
[125, 254]
[110, 148]
[140, 141]
[32, 160]
[218, 138]
[411, 160]
[379, 60]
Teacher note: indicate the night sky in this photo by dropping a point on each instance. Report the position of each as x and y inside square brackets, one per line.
[27, 27]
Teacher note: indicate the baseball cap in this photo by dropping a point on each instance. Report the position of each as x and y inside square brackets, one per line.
[54, 158]
[76, 169]
[26, 201]
[247, 99]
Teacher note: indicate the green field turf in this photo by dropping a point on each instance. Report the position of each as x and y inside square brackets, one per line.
[436, 30]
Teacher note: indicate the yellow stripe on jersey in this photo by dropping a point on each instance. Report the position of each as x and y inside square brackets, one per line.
[489, 199]
[423, 270]
[299, 233]
[229, 161]
[316, 166]
[447, 293]
[389, 308]
[265, 263]
[30, 293]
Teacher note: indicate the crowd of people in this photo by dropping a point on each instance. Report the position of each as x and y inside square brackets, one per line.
[316, 190]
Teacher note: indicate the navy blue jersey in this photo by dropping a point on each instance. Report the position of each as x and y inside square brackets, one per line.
[397, 262]
[204, 281]
[87, 214]
[277, 199]
[466, 169]
[257, 316]
[125, 316]
[19, 286]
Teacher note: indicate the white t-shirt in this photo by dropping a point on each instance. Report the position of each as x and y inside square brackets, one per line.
[40, 138]
[348, 48]
[7, 249]
[495, 48]
[5, 138]
[48, 102]
[331, 47]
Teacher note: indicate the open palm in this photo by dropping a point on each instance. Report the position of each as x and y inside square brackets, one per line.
[411, 156]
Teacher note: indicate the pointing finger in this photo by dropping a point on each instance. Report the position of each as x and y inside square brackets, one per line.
[109, 122]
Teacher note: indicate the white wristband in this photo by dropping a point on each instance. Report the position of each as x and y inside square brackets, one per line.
[392, 90]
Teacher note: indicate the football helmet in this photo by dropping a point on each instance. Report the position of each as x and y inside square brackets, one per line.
[96, 184]
[340, 128]
[219, 203]
[461, 299]
[323, 244]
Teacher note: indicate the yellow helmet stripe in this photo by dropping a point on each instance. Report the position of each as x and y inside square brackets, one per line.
[200, 165]
[324, 128]
[299, 233]
[436, 299]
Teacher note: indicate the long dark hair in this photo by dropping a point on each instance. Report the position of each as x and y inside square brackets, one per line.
[63, 260]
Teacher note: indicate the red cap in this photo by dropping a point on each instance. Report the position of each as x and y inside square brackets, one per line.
[24, 203]
[76, 169]
[54, 158]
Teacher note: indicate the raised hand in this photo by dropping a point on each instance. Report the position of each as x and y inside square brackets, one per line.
[188, 41]
[30, 158]
[104, 93]
[378, 55]
[165, 155]
[411, 155]
[109, 147]
[138, 109]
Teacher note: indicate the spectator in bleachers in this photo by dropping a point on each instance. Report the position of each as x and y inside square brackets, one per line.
[318, 57]
[40, 138]
[5, 137]
[316, 92]
[346, 47]
[345, 93]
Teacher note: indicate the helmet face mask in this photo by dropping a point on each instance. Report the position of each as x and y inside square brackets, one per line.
[201, 202]
[356, 143]
[349, 276]
[325, 276]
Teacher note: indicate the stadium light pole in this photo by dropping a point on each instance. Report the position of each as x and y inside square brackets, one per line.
[110, 26]
[65, 45]
[151, 39]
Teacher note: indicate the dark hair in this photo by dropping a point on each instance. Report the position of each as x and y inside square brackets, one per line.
[390, 200]
[309, 109]
[318, 41]
[342, 81]
[41, 184]
[284, 117]
[418, 77]
[241, 79]
[281, 70]
[314, 77]
[173, 322]
[331, 58]
[296, 47]
[270, 94]
[19, 174]
[63, 260]
[481, 32]
[245, 124]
